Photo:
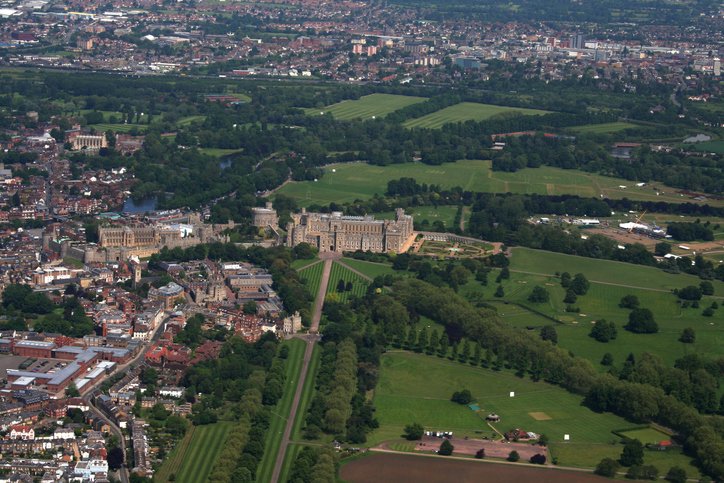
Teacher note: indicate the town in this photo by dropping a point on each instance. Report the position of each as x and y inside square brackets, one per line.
[349, 41]
[361, 240]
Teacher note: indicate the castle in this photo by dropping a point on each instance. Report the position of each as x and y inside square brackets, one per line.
[264, 217]
[338, 233]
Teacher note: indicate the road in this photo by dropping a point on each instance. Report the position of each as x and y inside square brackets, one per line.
[93, 392]
[311, 339]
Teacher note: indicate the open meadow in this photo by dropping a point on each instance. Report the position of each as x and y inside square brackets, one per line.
[467, 111]
[444, 213]
[605, 128]
[366, 107]
[610, 281]
[709, 147]
[417, 388]
[194, 457]
[347, 182]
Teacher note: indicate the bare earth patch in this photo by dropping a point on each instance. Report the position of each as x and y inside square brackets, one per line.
[493, 449]
[538, 416]
[416, 469]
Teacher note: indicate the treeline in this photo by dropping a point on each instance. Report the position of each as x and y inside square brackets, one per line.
[315, 465]
[246, 382]
[693, 380]
[674, 168]
[20, 304]
[690, 231]
[337, 382]
[637, 401]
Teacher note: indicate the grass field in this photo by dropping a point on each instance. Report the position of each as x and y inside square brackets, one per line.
[350, 181]
[219, 152]
[301, 264]
[646, 435]
[709, 147]
[610, 281]
[366, 107]
[604, 128]
[416, 387]
[370, 269]
[467, 111]
[307, 395]
[313, 275]
[196, 454]
[445, 214]
[121, 128]
[340, 272]
[280, 413]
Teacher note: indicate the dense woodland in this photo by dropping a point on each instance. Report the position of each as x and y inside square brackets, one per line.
[565, 10]
[277, 141]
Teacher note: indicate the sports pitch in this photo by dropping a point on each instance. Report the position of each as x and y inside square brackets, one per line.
[417, 388]
[467, 111]
[366, 107]
[347, 182]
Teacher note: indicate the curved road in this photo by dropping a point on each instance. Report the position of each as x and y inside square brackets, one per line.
[311, 339]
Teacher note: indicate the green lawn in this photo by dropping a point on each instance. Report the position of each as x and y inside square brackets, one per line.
[280, 413]
[366, 107]
[416, 387]
[610, 281]
[122, 128]
[467, 111]
[370, 269]
[201, 453]
[708, 147]
[185, 121]
[646, 435]
[444, 213]
[301, 264]
[604, 128]
[219, 152]
[313, 275]
[307, 394]
[347, 182]
[339, 272]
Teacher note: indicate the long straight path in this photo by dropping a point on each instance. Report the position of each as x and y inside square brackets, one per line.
[311, 339]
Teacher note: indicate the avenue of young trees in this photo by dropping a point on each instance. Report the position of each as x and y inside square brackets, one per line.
[645, 390]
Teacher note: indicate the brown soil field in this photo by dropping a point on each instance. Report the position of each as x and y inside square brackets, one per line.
[622, 236]
[419, 469]
[493, 449]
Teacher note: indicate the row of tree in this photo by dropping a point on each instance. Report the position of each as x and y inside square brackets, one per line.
[641, 402]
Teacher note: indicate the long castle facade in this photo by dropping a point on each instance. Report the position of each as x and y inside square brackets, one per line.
[334, 232]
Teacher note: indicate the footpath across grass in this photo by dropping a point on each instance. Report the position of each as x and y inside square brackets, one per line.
[312, 273]
[280, 414]
[347, 276]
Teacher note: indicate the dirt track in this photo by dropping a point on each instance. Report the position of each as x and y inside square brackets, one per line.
[493, 449]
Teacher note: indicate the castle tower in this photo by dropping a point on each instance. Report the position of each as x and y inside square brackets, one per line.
[136, 274]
